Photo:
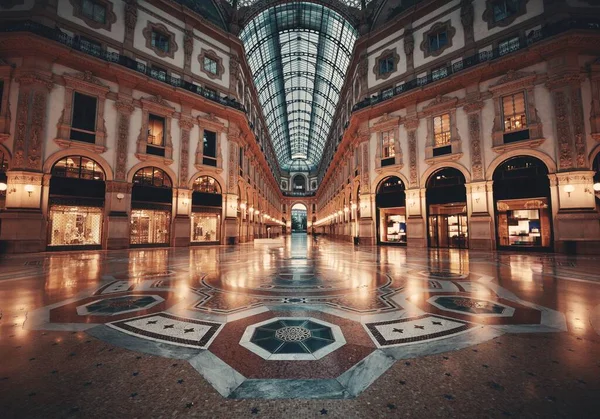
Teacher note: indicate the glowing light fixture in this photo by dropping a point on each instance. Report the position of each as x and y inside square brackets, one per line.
[568, 189]
[29, 189]
[3, 186]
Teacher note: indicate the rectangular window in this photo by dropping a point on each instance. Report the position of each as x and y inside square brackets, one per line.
[94, 11]
[508, 46]
[503, 9]
[160, 41]
[513, 111]
[387, 144]
[210, 65]
[438, 40]
[83, 125]
[386, 64]
[156, 130]
[209, 149]
[441, 130]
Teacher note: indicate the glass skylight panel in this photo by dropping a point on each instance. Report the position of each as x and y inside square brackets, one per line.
[299, 65]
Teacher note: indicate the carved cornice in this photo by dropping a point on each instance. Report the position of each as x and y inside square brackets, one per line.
[411, 124]
[186, 123]
[503, 148]
[26, 79]
[124, 107]
[440, 104]
[386, 122]
[513, 80]
[211, 122]
[87, 81]
[156, 104]
[472, 107]
[565, 80]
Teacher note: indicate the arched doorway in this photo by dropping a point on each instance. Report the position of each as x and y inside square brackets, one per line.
[522, 204]
[391, 211]
[299, 213]
[151, 207]
[299, 184]
[76, 204]
[447, 221]
[207, 202]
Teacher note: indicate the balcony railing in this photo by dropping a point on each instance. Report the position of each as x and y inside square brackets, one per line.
[479, 58]
[306, 193]
[114, 57]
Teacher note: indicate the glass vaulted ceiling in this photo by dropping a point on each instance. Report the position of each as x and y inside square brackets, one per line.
[299, 53]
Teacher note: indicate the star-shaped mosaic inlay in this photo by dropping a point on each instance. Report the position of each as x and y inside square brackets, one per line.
[168, 326]
[398, 330]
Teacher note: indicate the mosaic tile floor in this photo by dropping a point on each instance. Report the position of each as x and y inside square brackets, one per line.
[325, 329]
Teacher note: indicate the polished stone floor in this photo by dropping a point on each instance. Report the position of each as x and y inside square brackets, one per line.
[299, 328]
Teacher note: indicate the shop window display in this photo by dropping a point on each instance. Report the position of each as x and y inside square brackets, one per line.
[205, 227]
[524, 222]
[75, 226]
[395, 228]
[150, 226]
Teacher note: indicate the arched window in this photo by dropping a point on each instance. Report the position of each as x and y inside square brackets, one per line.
[391, 184]
[152, 176]
[206, 184]
[78, 167]
[446, 177]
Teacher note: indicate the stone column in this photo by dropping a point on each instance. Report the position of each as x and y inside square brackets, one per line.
[416, 209]
[23, 222]
[117, 204]
[480, 209]
[577, 223]
[366, 225]
[231, 227]
[183, 195]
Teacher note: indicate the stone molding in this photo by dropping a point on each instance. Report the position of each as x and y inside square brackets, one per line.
[209, 53]
[110, 17]
[438, 27]
[159, 27]
[384, 54]
[488, 14]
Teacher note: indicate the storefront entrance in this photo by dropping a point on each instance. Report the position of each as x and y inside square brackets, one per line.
[206, 211]
[391, 211]
[522, 204]
[151, 203]
[447, 220]
[76, 204]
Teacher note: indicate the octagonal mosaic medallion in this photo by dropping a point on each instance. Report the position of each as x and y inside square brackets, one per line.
[292, 338]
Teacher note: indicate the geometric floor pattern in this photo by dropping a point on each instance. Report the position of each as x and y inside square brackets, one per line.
[309, 321]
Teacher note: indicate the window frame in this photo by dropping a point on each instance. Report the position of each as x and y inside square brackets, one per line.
[158, 107]
[212, 55]
[387, 54]
[86, 84]
[489, 17]
[435, 30]
[158, 28]
[109, 17]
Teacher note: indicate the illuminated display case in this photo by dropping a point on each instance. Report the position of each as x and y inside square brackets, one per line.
[524, 222]
[205, 227]
[75, 226]
[150, 226]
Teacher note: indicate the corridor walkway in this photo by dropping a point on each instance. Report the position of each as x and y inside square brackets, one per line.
[306, 329]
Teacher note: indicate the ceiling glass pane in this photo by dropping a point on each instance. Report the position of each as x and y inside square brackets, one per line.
[299, 53]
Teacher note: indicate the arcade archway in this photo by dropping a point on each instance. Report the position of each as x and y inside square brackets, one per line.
[391, 211]
[299, 220]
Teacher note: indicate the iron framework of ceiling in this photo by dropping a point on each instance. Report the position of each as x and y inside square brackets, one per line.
[299, 53]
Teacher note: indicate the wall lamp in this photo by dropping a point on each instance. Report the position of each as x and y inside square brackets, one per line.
[568, 189]
[476, 197]
[29, 189]
[120, 196]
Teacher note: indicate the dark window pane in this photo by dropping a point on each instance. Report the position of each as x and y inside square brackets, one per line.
[210, 144]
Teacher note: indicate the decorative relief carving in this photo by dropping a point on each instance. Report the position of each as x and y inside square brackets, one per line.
[474, 122]
[188, 47]
[365, 187]
[109, 19]
[565, 150]
[131, 12]
[21, 131]
[124, 111]
[578, 127]
[409, 43]
[440, 104]
[411, 126]
[36, 130]
[234, 74]
[467, 15]
[159, 27]
[118, 186]
[186, 124]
